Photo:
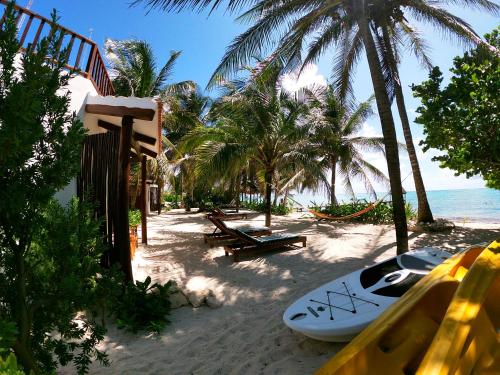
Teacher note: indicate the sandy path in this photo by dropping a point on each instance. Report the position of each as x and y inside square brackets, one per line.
[246, 335]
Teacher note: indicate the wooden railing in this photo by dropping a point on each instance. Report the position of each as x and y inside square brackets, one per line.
[84, 59]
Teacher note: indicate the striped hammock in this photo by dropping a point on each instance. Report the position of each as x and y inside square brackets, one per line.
[323, 216]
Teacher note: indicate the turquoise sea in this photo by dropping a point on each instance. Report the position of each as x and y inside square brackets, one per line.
[458, 205]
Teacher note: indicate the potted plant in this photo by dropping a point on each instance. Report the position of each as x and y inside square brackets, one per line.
[134, 219]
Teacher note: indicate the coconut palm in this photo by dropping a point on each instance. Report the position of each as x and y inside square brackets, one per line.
[336, 140]
[133, 65]
[321, 24]
[257, 123]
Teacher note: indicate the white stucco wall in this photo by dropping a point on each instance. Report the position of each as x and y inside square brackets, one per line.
[79, 87]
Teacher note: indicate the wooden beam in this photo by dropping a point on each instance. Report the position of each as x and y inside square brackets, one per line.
[139, 137]
[108, 126]
[122, 240]
[144, 224]
[148, 152]
[120, 111]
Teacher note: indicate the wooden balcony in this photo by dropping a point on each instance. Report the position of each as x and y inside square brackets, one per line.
[83, 53]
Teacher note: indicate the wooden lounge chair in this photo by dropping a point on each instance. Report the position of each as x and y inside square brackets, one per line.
[249, 245]
[228, 216]
[221, 234]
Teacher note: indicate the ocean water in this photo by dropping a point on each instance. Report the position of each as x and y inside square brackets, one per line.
[458, 205]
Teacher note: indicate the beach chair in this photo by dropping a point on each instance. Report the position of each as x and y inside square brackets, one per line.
[228, 216]
[250, 245]
[221, 234]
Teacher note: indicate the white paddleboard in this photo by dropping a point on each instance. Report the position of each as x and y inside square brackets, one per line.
[340, 309]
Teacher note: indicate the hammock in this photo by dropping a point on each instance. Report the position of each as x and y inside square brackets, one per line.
[323, 216]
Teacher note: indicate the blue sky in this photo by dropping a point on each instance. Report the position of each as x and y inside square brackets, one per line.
[203, 41]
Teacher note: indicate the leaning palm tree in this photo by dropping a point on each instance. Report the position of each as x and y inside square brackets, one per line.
[321, 24]
[341, 149]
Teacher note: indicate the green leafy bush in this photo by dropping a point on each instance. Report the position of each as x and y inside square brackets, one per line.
[9, 366]
[143, 306]
[410, 211]
[134, 217]
[49, 256]
[261, 207]
[381, 214]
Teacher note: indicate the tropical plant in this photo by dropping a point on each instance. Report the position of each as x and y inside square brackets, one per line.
[338, 145]
[133, 65]
[134, 217]
[351, 24]
[462, 119]
[186, 111]
[49, 257]
[258, 123]
[143, 306]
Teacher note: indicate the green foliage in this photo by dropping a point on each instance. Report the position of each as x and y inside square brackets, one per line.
[410, 211]
[462, 118]
[261, 207]
[134, 217]
[143, 306]
[381, 214]
[8, 333]
[168, 197]
[9, 366]
[49, 256]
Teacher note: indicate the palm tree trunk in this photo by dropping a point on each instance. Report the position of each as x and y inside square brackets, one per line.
[268, 181]
[388, 130]
[238, 192]
[333, 198]
[424, 211]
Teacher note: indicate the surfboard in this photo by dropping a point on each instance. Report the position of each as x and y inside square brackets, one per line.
[340, 309]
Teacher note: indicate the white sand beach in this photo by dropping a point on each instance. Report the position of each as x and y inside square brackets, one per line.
[246, 334]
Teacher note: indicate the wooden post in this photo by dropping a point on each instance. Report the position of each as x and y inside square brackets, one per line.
[144, 224]
[122, 226]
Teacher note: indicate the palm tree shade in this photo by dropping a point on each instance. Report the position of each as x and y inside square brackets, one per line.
[322, 24]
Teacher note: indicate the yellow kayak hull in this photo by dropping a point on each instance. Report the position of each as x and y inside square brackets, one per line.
[448, 323]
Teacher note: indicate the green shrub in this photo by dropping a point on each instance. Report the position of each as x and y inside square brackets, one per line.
[9, 366]
[381, 214]
[134, 217]
[410, 212]
[143, 307]
[261, 207]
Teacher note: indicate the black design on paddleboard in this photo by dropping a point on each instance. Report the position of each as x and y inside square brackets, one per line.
[312, 311]
[331, 315]
[350, 297]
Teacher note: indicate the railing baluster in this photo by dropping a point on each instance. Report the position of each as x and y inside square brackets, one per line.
[90, 62]
[26, 30]
[38, 32]
[95, 69]
[79, 54]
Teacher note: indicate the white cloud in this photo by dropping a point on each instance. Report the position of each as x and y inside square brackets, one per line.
[368, 130]
[310, 76]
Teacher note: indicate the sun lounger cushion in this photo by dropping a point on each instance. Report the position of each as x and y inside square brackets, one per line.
[267, 239]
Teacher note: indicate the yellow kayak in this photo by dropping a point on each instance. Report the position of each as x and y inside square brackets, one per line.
[448, 323]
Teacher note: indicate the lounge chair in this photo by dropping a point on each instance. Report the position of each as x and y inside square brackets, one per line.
[228, 216]
[249, 245]
[221, 234]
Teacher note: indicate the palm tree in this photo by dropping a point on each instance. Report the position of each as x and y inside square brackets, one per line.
[321, 24]
[133, 65]
[255, 123]
[339, 146]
